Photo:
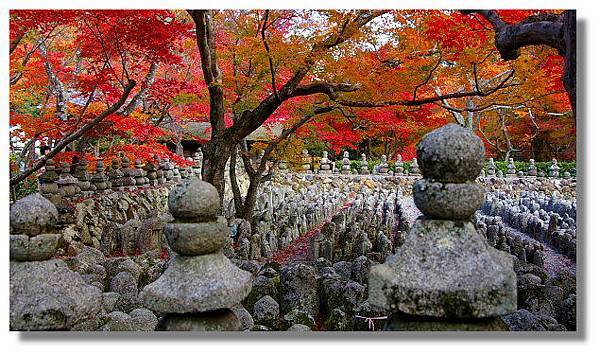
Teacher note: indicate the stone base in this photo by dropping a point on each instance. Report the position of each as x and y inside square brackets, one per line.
[200, 283]
[220, 320]
[404, 322]
[445, 269]
[46, 295]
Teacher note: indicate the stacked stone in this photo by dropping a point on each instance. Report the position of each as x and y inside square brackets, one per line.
[491, 167]
[176, 172]
[532, 169]
[364, 165]
[399, 165]
[68, 186]
[325, 167]
[511, 169]
[151, 174]
[183, 173]
[306, 168]
[139, 174]
[44, 293]
[115, 175]
[200, 286]
[346, 163]
[81, 174]
[47, 180]
[160, 173]
[446, 276]
[554, 169]
[100, 180]
[168, 169]
[128, 181]
[383, 166]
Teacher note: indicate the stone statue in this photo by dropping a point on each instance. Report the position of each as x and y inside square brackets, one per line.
[346, 163]
[399, 165]
[414, 167]
[554, 170]
[364, 164]
[383, 165]
[532, 169]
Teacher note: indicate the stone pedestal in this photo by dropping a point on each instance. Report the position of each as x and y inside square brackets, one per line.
[201, 285]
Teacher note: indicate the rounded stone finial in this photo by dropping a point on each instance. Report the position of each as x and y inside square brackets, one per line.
[194, 200]
[33, 215]
[451, 154]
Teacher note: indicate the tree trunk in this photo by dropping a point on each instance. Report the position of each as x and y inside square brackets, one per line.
[250, 200]
[235, 188]
[570, 69]
[215, 156]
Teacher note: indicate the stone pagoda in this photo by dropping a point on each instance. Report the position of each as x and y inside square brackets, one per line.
[200, 286]
[446, 276]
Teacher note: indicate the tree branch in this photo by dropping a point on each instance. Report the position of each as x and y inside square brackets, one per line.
[74, 135]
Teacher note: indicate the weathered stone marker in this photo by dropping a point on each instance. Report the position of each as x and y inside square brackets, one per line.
[200, 285]
[446, 276]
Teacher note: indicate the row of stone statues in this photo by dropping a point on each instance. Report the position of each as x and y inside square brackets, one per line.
[328, 166]
[532, 170]
[72, 180]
